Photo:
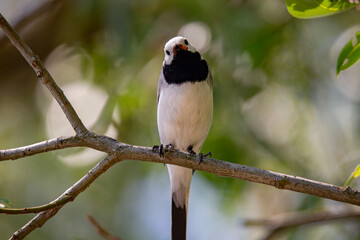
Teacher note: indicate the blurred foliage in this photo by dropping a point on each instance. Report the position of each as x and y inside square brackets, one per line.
[277, 105]
[316, 8]
[320, 8]
[5, 203]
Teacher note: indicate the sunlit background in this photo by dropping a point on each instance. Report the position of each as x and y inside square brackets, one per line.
[277, 105]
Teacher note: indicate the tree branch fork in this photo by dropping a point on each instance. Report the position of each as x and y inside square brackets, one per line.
[118, 151]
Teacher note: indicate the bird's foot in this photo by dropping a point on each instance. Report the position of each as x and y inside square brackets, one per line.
[201, 156]
[159, 148]
[192, 153]
[169, 147]
[155, 148]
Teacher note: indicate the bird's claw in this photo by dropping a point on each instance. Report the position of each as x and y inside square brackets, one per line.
[169, 147]
[201, 156]
[192, 153]
[159, 148]
[155, 148]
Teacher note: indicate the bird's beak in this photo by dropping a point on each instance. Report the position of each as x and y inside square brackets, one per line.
[180, 46]
[183, 47]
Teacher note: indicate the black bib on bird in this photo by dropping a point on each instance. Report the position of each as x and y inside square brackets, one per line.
[186, 67]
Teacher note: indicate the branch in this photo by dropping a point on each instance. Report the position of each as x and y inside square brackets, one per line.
[279, 223]
[36, 222]
[121, 151]
[220, 168]
[38, 209]
[41, 147]
[102, 232]
[70, 194]
[44, 76]
[242, 172]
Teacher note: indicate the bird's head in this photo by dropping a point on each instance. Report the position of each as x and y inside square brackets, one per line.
[173, 46]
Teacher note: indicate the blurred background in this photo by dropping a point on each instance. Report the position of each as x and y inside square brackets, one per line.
[277, 105]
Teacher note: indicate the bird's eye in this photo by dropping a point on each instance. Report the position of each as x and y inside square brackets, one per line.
[167, 52]
[186, 42]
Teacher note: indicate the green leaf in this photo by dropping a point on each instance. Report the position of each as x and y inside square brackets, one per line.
[355, 174]
[358, 37]
[316, 8]
[342, 56]
[5, 203]
[350, 53]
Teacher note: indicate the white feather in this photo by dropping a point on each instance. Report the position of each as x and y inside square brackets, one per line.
[184, 117]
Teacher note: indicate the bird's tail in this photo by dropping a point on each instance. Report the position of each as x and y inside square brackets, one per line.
[180, 178]
[178, 222]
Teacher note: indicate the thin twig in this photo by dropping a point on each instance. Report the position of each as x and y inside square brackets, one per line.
[44, 76]
[281, 222]
[36, 222]
[71, 194]
[37, 209]
[102, 232]
[41, 147]
[301, 218]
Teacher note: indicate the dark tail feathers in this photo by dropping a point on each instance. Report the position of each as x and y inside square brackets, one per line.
[178, 220]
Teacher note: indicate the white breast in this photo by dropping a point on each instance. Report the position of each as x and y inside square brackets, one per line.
[185, 114]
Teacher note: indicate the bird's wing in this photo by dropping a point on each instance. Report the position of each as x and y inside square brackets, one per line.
[162, 83]
[209, 78]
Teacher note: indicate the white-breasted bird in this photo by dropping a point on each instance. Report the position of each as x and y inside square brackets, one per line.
[184, 115]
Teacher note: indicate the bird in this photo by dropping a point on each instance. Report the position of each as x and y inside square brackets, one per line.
[184, 116]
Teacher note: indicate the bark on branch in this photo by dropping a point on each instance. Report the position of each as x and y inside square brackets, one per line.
[220, 168]
[69, 195]
[119, 151]
[279, 223]
[37, 209]
[46, 146]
